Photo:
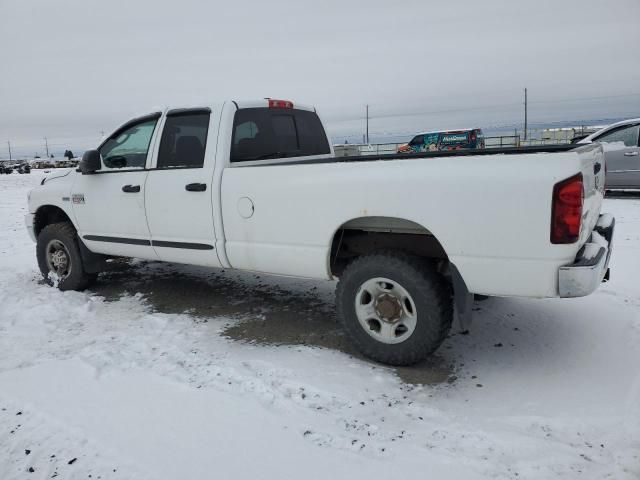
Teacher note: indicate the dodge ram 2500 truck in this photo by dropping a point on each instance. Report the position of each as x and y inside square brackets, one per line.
[410, 237]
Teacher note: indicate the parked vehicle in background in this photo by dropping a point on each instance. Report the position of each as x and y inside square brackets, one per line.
[444, 140]
[43, 164]
[255, 186]
[621, 142]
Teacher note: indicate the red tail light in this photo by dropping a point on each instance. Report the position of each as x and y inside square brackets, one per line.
[566, 210]
[280, 103]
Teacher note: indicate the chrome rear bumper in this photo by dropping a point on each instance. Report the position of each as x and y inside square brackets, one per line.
[591, 266]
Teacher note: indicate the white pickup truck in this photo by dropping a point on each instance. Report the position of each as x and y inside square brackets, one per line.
[410, 237]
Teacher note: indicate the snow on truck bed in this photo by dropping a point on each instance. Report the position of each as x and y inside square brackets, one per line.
[167, 371]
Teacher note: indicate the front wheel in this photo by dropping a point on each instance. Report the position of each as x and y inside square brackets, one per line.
[395, 307]
[59, 257]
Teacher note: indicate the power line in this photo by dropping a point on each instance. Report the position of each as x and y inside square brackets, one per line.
[493, 107]
[604, 97]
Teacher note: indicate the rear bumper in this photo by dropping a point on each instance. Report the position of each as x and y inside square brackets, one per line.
[591, 265]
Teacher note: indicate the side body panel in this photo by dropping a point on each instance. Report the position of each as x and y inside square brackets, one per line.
[103, 210]
[491, 213]
[56, 192]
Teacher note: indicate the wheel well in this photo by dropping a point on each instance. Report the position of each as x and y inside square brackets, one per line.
[48, 214]
[365, 235]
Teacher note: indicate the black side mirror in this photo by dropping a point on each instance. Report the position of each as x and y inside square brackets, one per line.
[90, 162]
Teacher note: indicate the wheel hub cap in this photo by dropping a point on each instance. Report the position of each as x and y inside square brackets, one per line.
[388, 308]
[59, 259]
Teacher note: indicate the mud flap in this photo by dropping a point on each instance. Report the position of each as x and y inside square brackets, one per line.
[91, 262]
[462, 300]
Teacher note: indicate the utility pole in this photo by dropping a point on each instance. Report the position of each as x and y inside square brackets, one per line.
[46, 145]
[525, 113]
[367, 124]
[9, 143]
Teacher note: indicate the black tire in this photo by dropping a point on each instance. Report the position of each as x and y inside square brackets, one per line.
[77, 278]
[430, 291]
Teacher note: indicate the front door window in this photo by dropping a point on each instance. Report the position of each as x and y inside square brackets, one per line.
[127, 149]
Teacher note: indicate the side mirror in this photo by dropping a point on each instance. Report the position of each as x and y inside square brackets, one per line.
[90, 162]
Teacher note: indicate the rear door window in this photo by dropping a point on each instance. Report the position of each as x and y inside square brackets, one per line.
[264, 133]
[184, 139]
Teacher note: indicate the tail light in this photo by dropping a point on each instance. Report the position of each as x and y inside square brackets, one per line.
[566, 210]
[280, 103]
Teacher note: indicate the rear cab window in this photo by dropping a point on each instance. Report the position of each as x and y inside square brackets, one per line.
[272, 133]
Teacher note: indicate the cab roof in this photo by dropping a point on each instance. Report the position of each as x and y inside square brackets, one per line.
[264, 103]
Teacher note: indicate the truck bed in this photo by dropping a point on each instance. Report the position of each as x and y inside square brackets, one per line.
[446, 153]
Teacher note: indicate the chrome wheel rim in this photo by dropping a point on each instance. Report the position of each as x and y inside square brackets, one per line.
[58, 259]
[386, 310]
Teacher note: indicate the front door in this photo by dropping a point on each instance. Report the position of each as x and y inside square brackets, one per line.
[180, 197]
[622, 156]
[109, 204]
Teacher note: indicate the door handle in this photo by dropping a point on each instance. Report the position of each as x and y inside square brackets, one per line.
[131, 188]
[630, 154]
[596, 168]
[195, 187]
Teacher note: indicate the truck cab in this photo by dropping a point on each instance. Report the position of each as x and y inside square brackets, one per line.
[152, 188]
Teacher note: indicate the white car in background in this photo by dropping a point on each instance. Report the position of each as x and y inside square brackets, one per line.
[621, 142]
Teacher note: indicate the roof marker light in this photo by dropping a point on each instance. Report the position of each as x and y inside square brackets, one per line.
[273, 103]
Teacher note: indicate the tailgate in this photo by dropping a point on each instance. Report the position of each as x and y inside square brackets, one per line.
[593, 174]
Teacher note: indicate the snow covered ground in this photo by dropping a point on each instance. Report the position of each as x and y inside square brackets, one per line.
[168, 371]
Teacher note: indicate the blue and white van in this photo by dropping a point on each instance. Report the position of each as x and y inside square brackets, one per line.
[444, 140]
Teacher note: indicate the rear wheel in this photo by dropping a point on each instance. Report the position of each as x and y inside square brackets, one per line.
[395, 307]
[59, 258]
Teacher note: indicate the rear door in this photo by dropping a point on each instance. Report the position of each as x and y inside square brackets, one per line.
[622, 156]
[180, 197]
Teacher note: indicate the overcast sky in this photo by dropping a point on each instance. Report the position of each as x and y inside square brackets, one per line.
[72, 68]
